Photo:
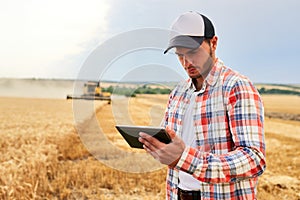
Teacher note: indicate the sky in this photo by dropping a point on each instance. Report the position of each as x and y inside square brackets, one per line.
[124, 39]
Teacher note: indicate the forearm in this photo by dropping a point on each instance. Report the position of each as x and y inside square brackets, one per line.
[242, 163]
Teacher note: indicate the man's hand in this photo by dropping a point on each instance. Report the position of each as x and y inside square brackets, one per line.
[168, 154]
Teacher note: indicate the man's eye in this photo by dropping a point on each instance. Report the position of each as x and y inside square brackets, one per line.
[192, 52]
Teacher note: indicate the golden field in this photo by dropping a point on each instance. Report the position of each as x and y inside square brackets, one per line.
[45, 156]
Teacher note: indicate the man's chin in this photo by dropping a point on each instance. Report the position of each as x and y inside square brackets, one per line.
[195, 76]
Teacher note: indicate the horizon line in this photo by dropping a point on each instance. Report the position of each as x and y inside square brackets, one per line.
[116, 81]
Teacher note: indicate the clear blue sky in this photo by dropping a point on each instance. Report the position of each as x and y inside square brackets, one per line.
[53, 39]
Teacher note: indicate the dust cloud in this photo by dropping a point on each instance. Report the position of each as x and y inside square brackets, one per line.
[36, 88]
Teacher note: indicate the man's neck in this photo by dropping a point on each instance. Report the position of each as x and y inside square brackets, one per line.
[198, 82]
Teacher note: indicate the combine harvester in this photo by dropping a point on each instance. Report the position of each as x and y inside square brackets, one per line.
[92, 91]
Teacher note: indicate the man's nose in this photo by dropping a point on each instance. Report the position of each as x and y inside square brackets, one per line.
[186, 62]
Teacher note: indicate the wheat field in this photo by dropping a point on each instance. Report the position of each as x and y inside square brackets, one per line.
[45, 154]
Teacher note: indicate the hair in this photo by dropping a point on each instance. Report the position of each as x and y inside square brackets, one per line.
[207, 40]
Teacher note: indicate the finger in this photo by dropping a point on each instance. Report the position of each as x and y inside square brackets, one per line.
[147, 144]
[171, 132]
[147, 149]
[152, 141]
[152, 153]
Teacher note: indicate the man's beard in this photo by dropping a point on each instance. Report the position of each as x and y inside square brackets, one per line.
[206, 66]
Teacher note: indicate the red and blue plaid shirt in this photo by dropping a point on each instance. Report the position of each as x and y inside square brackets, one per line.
[228, 121]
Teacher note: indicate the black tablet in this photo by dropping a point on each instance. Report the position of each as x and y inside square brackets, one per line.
[131, 134]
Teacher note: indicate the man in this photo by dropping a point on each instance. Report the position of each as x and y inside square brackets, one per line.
[215, 119]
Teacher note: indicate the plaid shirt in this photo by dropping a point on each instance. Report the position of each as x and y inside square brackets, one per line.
[228, 121]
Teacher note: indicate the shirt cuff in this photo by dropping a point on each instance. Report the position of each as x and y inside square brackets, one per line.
[190, 161]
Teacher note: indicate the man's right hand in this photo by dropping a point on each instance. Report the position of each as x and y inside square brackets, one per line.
[168, 154]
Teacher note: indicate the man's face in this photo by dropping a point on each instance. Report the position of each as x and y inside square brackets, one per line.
[197, 62]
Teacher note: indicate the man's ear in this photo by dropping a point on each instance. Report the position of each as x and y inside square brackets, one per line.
[214, 43]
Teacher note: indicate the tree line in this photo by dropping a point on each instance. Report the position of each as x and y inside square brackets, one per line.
[277, 91]
[132, 92]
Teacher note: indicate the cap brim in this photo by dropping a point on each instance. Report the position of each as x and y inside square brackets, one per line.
[185, 41]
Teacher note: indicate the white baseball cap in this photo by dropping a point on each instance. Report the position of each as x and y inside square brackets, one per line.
[189, 30]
